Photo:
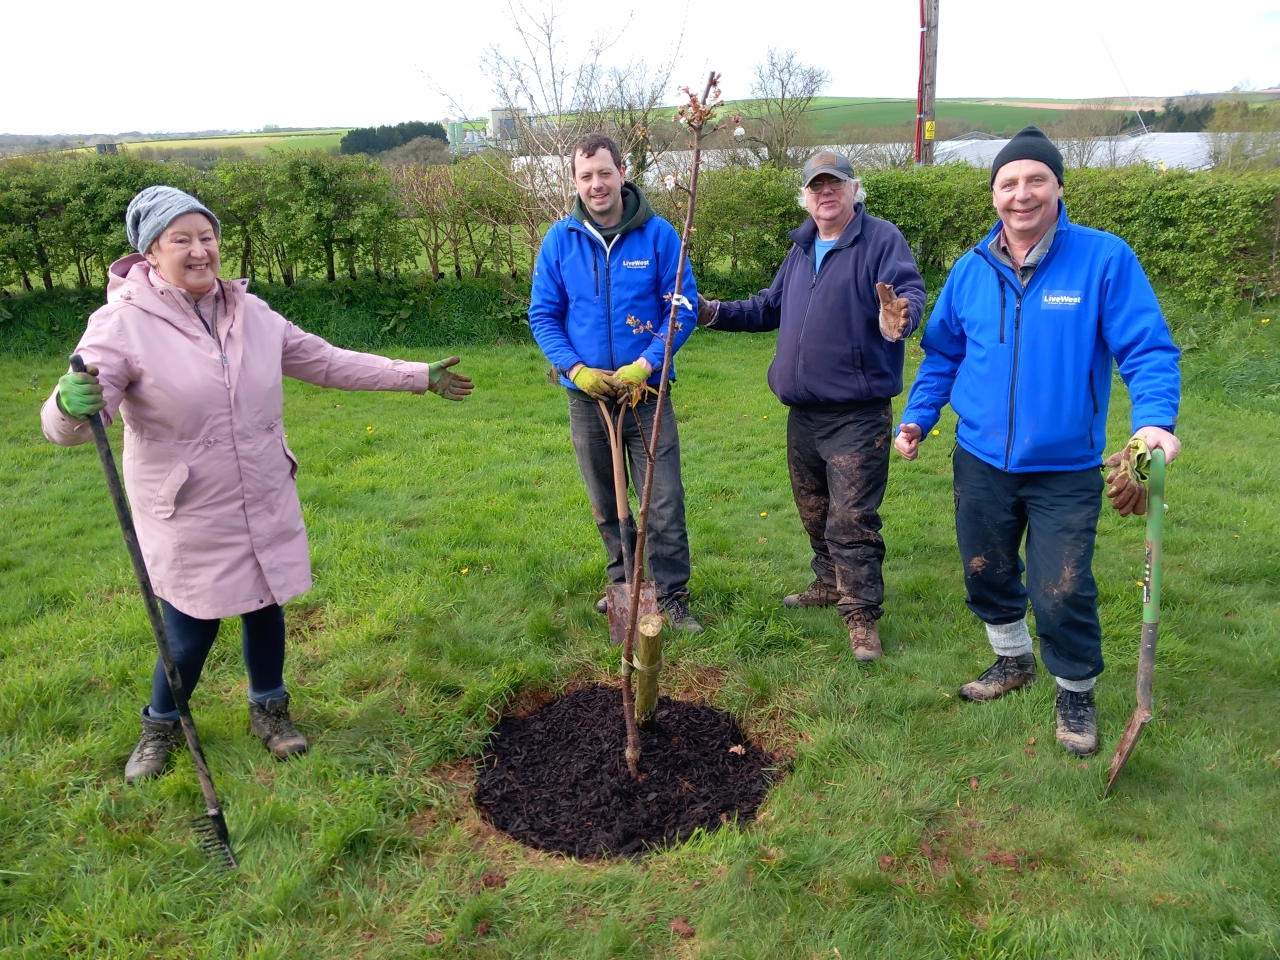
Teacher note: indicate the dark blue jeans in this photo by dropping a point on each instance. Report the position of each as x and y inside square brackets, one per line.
[1058, 512]
[667, 544]
[262, 641]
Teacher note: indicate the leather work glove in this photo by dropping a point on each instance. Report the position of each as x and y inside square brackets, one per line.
[634, 380]
[907, 442]
[707, 310]
[442, 380]
[895, 313]
[596, 384]
[80, 394]
[1127, 481]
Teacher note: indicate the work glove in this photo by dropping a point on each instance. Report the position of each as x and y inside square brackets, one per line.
[895, 313]
[1127, 481]
[80, 394]
[707, 310]
[907, 442]
[442, 380]
[596, 384]
[634, 381]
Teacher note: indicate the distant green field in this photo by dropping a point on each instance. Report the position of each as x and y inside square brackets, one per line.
[253, 144]
[832, 114]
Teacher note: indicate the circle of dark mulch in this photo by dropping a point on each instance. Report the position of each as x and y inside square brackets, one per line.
[557, 779]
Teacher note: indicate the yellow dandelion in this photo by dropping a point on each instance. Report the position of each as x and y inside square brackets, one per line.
[937, 433]
[1266, 319]
[766, 416]
[764, 513]
[466, 569]
[1142, 583]
[369, 428]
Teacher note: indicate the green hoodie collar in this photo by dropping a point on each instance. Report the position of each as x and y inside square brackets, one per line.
[636, 211]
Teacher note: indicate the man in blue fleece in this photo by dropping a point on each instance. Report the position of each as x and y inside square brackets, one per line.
[845, 298]
[599, 310]
[1020, 343]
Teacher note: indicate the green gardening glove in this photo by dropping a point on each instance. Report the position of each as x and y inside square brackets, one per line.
[634, 379]
[80, 394]
[442, 380]
[596, 384]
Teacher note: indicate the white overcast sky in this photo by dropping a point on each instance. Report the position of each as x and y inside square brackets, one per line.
[87, 66]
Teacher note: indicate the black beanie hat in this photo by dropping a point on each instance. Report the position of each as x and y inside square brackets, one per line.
[1029, 143]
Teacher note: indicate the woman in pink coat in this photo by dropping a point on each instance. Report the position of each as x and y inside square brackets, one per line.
[194, 365]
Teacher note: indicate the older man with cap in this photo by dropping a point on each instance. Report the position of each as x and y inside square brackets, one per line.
[1021, 343]
[194, 366]
[845, 298]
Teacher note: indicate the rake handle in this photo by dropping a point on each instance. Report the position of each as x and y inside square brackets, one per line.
[1151, 580]
[179, 691]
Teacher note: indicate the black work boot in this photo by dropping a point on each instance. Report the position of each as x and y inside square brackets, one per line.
[159, 739]
[271, 723]
[818, 594]
[678, 615]
[602, 605]
[1077, 722]
[1004, 676]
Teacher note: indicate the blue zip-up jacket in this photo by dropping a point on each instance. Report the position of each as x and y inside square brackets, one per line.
[1029, 372]
[584, 290]
[830, 349]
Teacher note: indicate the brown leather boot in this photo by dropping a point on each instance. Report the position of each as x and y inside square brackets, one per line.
[272, 725]
[864, 639]
[819, 594]
[1004, 676]
[159, 739]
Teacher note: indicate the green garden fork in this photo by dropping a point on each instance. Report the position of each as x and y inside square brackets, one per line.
[1150, 618]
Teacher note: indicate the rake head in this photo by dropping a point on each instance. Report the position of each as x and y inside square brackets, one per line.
[214, 839]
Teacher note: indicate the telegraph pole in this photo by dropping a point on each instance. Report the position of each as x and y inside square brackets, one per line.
[927, 90]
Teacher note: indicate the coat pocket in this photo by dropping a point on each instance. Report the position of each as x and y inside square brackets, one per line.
[167, 495]
[293, 461]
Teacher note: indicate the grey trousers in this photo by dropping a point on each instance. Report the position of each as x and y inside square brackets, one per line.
[667, 544]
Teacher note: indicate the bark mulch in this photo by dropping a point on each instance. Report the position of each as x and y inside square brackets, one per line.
[557, 780]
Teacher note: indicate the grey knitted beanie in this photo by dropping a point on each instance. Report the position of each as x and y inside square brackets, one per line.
[155, 208]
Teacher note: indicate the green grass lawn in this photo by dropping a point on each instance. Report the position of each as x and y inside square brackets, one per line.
[456, 566]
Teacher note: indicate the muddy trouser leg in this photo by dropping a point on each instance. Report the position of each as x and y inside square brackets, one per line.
[595, 460]
[667, 540]
[838, 455]
[990, 521]
[1062, 513]
[191, 640]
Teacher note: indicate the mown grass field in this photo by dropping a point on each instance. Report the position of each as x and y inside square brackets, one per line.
[456, 564]
[253, 144]
[831, 115]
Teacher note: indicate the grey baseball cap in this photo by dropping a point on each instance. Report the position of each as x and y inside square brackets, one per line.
[827, 162]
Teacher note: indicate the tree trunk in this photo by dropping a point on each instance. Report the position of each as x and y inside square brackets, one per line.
[244, 254]
[328, 256]
[26, 280]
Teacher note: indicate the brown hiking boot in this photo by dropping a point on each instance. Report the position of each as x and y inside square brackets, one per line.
[159, 739]
[864, 639]
[271, 723]
[818, 595]
[1077, 722]
[1004, 676]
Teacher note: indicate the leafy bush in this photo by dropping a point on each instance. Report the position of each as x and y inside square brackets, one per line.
[358, 315]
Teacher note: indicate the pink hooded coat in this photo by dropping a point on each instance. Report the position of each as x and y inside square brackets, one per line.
[208, 473]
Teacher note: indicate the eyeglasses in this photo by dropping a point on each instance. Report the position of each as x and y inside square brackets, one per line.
[817, 186]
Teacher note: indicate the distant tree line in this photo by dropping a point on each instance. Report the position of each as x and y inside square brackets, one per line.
[371, 140]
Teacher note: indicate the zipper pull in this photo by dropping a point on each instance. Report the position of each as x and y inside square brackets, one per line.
[224, 360]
